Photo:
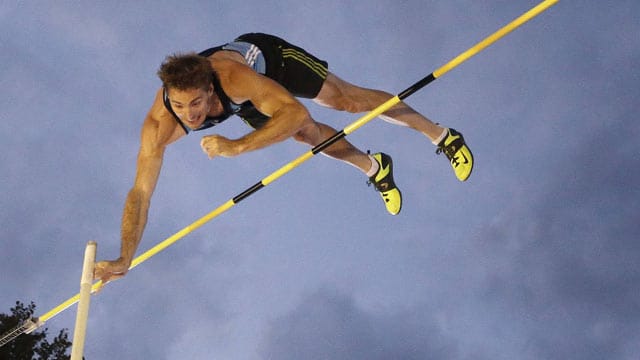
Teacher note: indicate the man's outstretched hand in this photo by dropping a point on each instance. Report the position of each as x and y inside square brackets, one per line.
[107, 271]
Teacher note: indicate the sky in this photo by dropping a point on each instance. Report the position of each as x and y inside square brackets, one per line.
[536, 256]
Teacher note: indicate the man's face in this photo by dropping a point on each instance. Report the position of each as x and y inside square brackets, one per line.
[191, 105]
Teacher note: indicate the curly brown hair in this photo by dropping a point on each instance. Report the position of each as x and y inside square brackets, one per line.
[185, 71]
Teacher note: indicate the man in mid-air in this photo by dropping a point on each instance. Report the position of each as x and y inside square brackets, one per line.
[258, 77]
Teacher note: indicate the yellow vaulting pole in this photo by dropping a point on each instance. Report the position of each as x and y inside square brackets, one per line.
[544, 5]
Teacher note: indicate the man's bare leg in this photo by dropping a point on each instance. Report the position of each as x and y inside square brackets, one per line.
[315, 133]
[377, 167]
[341, 95]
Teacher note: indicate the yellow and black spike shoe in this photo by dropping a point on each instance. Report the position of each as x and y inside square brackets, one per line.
[458, 153]
[383, 182]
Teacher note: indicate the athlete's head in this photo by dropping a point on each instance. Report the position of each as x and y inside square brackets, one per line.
[185, 71]
[187, 79]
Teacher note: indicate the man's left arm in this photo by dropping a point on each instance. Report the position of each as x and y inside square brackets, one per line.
[287, 114]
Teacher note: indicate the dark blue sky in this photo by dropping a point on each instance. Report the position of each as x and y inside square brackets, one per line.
[535, 257]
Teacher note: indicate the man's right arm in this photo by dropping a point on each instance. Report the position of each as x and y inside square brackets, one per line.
[158, 130]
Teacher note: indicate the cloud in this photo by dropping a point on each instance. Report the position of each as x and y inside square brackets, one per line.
[330, 325]
[535, 257]
[563, 271]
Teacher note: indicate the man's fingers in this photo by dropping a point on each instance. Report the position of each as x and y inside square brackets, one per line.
[107, 271]
[107, 278]
[205, 148]
[98, 270]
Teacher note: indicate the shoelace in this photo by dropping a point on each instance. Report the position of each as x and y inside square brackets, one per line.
[378, 186]
[451, 149]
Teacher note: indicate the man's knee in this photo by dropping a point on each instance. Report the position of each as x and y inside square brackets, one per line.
[308, 134]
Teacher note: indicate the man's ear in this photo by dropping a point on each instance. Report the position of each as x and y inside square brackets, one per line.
[210, 91]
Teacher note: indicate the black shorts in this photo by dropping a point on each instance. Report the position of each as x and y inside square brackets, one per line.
[291, 66]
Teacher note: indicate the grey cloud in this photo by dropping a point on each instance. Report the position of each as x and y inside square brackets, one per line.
[330, 325]
[566, 267]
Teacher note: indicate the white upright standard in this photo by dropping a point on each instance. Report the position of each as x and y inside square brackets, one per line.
[77, 348]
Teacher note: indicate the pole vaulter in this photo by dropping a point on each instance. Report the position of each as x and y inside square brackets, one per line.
[32, 324]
